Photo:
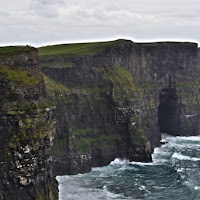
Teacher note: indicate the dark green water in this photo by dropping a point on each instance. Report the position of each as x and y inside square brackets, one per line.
[173, 175]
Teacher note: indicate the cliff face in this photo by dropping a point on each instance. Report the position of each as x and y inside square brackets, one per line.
[26, 128]
[112, 99]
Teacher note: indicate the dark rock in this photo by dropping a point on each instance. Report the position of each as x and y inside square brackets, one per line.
[26, 129]
[114, 102]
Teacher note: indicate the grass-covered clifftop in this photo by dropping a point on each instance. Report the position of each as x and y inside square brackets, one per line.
[76, 49]
[70, 59]
[10, 48]
[73, 49]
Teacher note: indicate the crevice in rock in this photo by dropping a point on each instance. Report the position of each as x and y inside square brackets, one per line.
[169, 111]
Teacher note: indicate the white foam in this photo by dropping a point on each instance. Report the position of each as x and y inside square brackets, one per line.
[97, 168]
[157, 150]
[159, 187]
[167, 137]
[119, 161]
[179, 156]
[161, 151]
[180, 169]
[164, 140]
[197, 188]
[161, 155]
[141, 163]
[142, 187]
[191, 138]
[188, 116]
[62, 178]
[103, 175]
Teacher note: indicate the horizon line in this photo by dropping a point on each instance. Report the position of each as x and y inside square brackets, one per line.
[37, 45]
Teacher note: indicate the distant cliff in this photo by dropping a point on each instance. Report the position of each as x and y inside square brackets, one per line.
[113, 98]
[26, 128]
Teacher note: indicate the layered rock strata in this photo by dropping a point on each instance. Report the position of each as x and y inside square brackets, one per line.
[26, 128]
[112, 99]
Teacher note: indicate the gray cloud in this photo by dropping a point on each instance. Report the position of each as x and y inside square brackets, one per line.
[4, 14]
[52, 21]
[47, 8]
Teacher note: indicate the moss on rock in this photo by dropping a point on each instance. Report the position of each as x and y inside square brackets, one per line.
[121, 79]
[54, 86]
[19, 76]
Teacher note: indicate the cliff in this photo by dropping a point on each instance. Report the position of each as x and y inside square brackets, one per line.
[26, 128]
[114, 98]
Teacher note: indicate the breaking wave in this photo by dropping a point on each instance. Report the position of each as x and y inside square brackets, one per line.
[119, 161]
[179, 156]
[174, 172]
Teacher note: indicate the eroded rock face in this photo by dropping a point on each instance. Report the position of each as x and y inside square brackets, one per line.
[107, 102]
[26, 129]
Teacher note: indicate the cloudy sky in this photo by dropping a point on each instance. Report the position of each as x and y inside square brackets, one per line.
[41, 22]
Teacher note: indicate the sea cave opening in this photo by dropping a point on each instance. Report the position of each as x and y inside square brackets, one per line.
[168, 112]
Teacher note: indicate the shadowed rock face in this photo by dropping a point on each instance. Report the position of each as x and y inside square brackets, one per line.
[168, 112]
[113, 102]
[26, 129]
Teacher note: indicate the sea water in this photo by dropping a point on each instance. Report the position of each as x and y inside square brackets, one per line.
[173, 175]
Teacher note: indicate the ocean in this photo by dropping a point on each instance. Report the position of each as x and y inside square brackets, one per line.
[173, 175]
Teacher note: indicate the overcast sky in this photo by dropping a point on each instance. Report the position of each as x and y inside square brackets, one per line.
[42, 22]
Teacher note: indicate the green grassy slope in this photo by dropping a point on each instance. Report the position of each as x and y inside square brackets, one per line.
[75, 49]
[10, 48]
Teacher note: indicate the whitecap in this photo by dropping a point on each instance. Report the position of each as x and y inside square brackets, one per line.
[191, 138]
[197, 188]
[62, 178]
[119, 161]
[98, 168]
[161, 151]
[163, 141]
[161, 155]
[158, 187]
[179, 156]
[103, 175]
[167, 137]
[142, 187]
[160, 161]
[141, 163]
[180, 169]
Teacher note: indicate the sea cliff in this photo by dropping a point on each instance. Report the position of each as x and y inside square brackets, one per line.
[80, 106]
[26, 128]
[114, 99]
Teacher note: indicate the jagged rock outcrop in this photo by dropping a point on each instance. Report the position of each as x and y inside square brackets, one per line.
[26, 128]
[112, 99]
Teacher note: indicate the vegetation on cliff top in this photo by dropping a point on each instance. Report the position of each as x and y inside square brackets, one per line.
[18, 76]
[75, 49]
[10, 48]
